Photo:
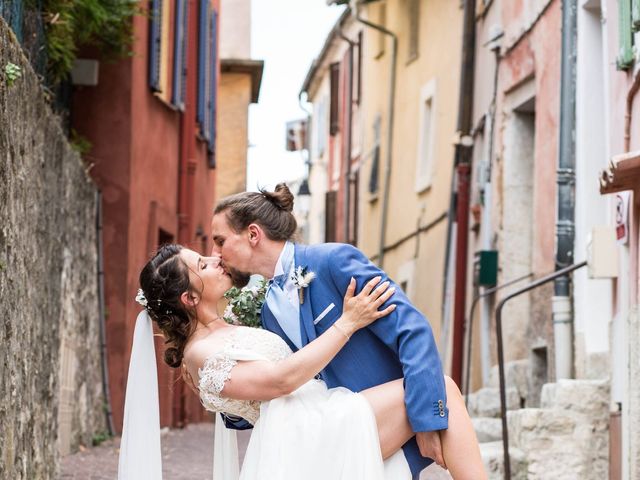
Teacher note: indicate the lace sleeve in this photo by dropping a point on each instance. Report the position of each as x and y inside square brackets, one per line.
[213, 375]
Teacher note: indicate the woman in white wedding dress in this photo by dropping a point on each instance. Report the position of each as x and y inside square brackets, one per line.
[301, 428]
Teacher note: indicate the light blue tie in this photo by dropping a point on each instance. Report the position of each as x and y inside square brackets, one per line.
[283, 310]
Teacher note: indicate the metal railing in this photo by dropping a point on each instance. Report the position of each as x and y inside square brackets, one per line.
[474, 303]
[503, 389]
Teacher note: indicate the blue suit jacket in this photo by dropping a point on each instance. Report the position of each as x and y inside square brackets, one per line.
[398, 345]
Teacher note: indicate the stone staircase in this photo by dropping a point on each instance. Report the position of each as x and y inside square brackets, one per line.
[565, 438]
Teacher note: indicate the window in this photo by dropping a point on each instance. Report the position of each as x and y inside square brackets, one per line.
[625, 35]
[426, 137]
[207, 77]
[320, 127]
[203, 47]
[213, 87]
[413, 11]
[155, 42]
[180, 54]
[334, 117]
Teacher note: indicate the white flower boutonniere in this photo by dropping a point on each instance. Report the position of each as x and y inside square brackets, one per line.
[301, 278]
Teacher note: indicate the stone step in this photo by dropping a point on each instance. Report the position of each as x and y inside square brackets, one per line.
[588, 397]
[487, 429]
[493, 459]
[486, 402]
[516, 375]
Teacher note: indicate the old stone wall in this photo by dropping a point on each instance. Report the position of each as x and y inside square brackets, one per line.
[49, 324]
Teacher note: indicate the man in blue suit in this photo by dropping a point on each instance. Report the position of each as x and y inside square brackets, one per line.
[252, 231]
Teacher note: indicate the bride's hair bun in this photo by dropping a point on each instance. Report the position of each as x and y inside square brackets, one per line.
[281, 197]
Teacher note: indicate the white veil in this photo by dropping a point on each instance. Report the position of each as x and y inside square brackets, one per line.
[140, 454]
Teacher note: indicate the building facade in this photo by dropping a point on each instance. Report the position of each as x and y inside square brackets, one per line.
[384, 97]
[151, 120]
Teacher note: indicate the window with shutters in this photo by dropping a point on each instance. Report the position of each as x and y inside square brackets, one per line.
[426, 137]
[180, 54]
[334, 116]
[625, 35]
[213, 87]
[413, 12]
[155, 42]
[203, 65]
[206, 109]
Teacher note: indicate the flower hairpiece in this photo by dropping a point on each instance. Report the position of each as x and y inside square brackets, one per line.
[302, 278]
[141, 299]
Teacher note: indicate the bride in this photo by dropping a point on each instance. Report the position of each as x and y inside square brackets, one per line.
[302, 429]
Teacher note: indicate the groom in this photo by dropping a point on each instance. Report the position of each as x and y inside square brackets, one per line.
[253, 232]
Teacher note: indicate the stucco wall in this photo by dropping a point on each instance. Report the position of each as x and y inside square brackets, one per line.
[48, 283]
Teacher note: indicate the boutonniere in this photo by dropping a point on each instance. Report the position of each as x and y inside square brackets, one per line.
[301, 278]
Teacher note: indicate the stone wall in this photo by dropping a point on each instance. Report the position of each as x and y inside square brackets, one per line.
[49, 323]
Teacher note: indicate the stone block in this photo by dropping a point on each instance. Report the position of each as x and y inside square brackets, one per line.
[493, 459]
[487, 429]
[486, 402]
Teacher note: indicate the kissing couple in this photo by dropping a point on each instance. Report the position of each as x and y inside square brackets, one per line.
[342, 382]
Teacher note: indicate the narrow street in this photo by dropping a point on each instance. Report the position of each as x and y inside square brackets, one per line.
[187, 454]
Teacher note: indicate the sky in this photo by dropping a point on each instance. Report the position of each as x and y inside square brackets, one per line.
[287, 35]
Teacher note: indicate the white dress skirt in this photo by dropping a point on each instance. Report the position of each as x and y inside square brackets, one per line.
[315, 433]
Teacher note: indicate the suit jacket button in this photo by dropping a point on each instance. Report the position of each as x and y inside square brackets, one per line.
[441, 413]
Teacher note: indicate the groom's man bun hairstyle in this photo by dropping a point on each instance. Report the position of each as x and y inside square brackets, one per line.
[163, 280]
[271, 210]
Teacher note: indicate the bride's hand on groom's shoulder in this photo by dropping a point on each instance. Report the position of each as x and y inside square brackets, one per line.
[363, 309]
[430, 446]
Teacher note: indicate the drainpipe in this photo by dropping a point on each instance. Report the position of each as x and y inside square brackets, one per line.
[347, 156]
[562, 310]
[101, 318]
[463, 157]
[390, 116]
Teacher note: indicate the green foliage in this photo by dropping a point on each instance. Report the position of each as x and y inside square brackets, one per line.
[99, 437]
[79, 142]
[13, 72]
[245, 305]
[69, 24]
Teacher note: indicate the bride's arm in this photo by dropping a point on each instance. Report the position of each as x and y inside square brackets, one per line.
[261, 380]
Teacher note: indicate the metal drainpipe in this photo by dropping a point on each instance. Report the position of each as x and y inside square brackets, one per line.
[565, 223]
[101, 314]
[347, 156]
[390, 117]
[463, 157]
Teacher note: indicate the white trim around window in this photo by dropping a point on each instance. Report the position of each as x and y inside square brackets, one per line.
[426, 136]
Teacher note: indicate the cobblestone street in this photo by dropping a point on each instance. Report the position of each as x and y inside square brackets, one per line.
[187, 454]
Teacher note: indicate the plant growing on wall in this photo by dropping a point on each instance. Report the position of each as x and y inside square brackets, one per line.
[69, 24]
[13, 72]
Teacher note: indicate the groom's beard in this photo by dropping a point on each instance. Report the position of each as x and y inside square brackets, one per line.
[239, 279]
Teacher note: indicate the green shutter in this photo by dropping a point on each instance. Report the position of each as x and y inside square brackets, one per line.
[625, 54]
[635, 14]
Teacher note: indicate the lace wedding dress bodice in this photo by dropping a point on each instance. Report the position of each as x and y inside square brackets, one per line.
[242, 344]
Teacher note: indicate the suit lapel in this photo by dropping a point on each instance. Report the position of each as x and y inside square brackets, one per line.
[306, 314]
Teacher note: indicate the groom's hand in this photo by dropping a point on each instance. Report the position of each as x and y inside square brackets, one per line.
[430, 446]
